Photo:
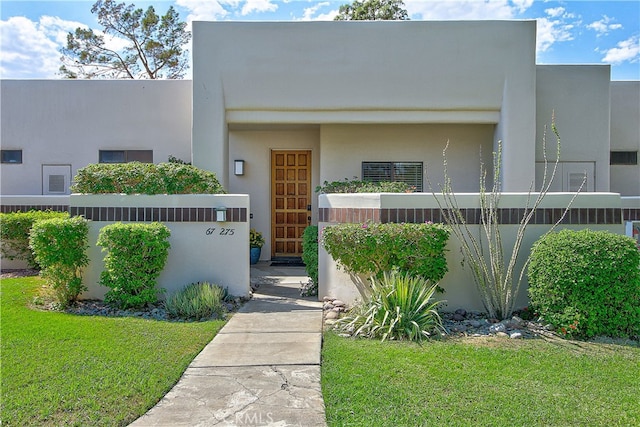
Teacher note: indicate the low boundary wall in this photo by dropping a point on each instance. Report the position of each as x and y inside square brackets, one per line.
[202, 249]
[597, 211]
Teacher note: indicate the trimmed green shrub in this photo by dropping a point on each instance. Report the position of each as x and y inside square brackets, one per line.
[60, 245]
[310, 258]
[136, 255]
[197, 301]
[145, 178]
[355, 186]
[373, 248]
[587, 283]
[14, 233]
[401, 307]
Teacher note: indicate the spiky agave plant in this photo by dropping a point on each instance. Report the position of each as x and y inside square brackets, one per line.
[401, 307]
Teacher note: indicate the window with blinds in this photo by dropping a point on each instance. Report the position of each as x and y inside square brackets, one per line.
[408, 172]
[125, 156]
[624, 158]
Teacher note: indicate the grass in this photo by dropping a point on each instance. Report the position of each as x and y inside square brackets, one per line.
[62, 369]
[480, 382]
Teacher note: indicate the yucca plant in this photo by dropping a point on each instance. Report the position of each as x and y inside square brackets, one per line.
[401, 307]
[197, 301]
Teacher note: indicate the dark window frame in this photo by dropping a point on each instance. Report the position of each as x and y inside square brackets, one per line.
[127, 156]
[623, 158]
[394, 172]
[6, 157]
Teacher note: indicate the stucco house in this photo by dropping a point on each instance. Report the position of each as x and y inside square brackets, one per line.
[277, 108]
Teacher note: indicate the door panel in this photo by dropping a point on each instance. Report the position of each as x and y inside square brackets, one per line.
[290, 198]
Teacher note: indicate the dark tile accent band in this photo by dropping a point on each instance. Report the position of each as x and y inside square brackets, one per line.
[543, 216]
[133, 214]
[631, 214]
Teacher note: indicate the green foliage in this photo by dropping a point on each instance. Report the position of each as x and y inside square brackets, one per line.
[355, 186]
[400, 307]
[371, 249]
[14, 233]
[197, 301]
[373, 10]
[587, 283]
[255, 239]
[145, 178]
[154, 45]
[60, 245]
[136, 255]
[174, 159]
[310, 258]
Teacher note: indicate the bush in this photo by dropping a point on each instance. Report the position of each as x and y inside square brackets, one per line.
[137, 253]
[14, 233]
[355, 186]
[197, 301]
[59, 245]
[145, 178]
[587, 283]
[310, 258]
[400, 307]
[373, 248]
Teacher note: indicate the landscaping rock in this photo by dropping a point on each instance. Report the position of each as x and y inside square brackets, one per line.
[330, 315]
[502, 334]
[327, 306]
[497, 328]
[461, 311]
[516, 335]
[458, 317]
[338, 303]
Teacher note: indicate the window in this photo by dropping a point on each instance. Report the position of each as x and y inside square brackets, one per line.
[125, 156]
[409, 172]
[12, 156]
[623, 158]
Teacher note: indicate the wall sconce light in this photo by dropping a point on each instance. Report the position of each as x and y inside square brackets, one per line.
[238, 167]
[221, 214]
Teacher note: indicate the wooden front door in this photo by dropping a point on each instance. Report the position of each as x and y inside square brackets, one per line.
[290, 201]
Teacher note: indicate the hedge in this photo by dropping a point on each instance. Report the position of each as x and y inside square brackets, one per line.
[587, 283]
[14, 233]
[145, 178]
[136, 255]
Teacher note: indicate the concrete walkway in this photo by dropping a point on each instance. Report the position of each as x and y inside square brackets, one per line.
[261, 369]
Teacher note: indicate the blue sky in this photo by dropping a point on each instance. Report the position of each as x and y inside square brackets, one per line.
[569, 32]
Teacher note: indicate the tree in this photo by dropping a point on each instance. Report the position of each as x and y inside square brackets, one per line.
[154, 47]
[373, 10]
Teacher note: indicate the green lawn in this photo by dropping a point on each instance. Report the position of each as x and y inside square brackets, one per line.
[480, 382]
[61, 369]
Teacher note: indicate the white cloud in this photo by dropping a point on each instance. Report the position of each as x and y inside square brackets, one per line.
[31, 49]
[310, 13]
[557, 26]
[258, 6]
[465, 9]
[603, 26]
[625, 51]
[207, 10]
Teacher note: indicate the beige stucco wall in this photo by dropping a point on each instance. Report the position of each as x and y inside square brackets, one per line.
[194, 256]
[365, 73]
[66, 122]
[625, 135]
[408, 143]
[460, 290]
[578, 96]
[254, 147]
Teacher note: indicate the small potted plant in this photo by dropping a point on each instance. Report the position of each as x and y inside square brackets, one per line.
[256, 241]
